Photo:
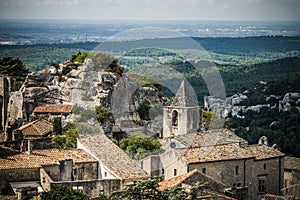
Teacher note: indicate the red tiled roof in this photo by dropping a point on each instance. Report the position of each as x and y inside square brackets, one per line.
[175, 181]
[180, 179]
[39, 127]
[11, 159]
[53, 108]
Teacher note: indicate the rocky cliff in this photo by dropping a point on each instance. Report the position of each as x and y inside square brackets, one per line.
[84, 87]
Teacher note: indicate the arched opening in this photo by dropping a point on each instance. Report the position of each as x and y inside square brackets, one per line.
[174, 118]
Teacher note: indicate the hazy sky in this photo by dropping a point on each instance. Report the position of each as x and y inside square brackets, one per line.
[152, 9]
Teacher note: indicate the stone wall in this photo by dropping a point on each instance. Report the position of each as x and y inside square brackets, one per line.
[92, 188]
[168, 165]
[239, 173]
[18, 175]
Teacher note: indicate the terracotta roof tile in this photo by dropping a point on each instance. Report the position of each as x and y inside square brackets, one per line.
[175, 181]
[112, 157]
[227, 152]
[213, 137]
[38, 127]
[10, 159]
[54, 108]
[292, 163]
[180, 179]
[219, 196]
[263, 152]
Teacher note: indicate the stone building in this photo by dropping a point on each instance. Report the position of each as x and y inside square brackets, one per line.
[291, 171]
[183, 116]
[252, 170]
[37, 133]
[41, 169]
[113, 162]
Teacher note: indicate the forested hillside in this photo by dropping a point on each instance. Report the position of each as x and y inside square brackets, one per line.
[246, 50]
[282, 127]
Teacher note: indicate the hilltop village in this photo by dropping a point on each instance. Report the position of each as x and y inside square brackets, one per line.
[31, 164]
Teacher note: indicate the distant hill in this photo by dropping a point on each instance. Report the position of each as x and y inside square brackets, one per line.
[39, 56]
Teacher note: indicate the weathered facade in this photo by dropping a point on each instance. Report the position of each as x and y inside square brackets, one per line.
[50, 167]
[247, 171]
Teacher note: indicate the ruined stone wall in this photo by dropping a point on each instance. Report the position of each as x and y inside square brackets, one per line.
[92, 188]
[88, 170]
[53, 171]
[17, 175]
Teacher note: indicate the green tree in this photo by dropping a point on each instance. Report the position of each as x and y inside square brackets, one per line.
[101, 114]
[68, 138]
[139, 145]
[79, 57]
[14, 68]
[148, 190]
[57, 127]
[115, 67]
[144, 110]
[59, 192]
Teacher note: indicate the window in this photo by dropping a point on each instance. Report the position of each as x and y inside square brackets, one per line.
[265, 166]
[80, 174]
[237, 170]
[204, 170]
[261, 184]
[174, 118]
[105, 174]
[175, 172]
[162, 171]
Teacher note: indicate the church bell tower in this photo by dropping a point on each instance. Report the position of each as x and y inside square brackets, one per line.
[183, 116]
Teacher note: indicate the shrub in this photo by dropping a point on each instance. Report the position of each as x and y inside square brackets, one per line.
[57, 128]
[144, 110]
[101, 114]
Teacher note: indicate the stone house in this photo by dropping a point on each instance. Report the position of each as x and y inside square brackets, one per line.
[252, 170]
[37, 133]
[113, 162]
[41, 169]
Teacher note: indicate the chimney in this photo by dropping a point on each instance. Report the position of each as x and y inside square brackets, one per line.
[29, 148]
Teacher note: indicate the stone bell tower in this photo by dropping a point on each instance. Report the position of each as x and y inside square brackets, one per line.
[183, 116]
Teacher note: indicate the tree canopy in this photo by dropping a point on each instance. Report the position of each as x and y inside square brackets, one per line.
[59, 192]
[148, 190]
[138, 145]
[14, 68]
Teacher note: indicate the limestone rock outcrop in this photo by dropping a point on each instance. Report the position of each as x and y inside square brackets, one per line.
[84, 87]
